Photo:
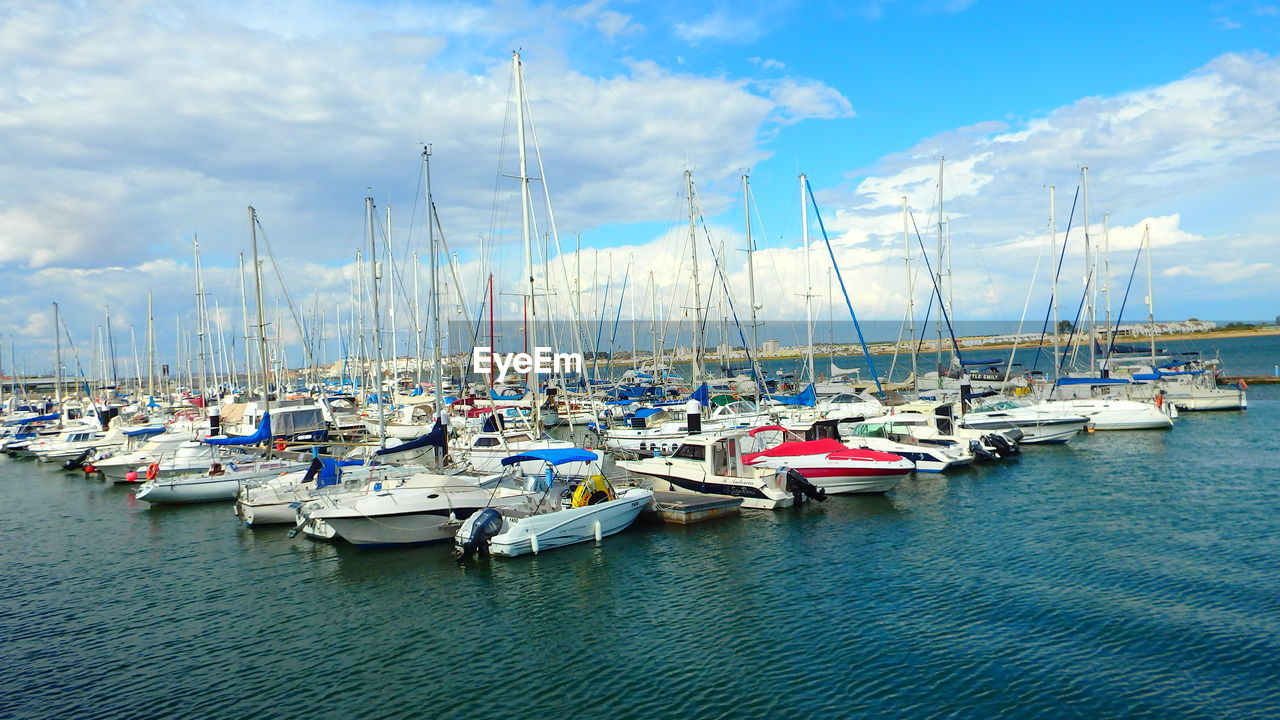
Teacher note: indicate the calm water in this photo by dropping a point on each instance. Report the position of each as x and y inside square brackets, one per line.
[1127, 574]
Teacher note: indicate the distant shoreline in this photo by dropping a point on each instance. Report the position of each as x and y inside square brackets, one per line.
[879, 349]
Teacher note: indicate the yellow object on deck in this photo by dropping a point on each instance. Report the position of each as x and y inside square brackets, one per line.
[586, 492]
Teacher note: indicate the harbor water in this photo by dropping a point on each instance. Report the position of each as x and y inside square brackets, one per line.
[1129, 574]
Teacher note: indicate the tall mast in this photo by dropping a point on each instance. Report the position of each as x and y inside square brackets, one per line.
[756, 370]
[1053, 291]
[937, 276]
[151, 351]
[1106, 273]
[109, 349]
[1089, 262]
[1151, 311]
[391, 289]
[696, 361]
[262, 323]
[417, 316]
[200, 324]
[377, 324]
[911, 294]
[57, 344]
[244, 320]
[525, 211]
[437, 361]
[808, 280]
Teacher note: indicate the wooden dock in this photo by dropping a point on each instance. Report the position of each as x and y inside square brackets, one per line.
[686, 508]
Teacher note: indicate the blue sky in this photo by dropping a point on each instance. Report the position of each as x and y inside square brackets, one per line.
[131, 126]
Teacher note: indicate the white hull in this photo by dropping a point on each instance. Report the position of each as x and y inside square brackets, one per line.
[204, 488]
[1107, 414]
[759, 492]
[402, 516]
[569, 526]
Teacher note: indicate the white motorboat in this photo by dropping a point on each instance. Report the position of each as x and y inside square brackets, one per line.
[428, 511]
[1109, 413]
[1039, 423]
[896, 434]
[828, 463]
[115, 466]
[1108, 405]
[540, 521]
[219, 482]
[711, 464]
[274, 501]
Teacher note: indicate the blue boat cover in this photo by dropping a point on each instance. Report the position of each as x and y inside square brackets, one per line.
[807, 397]
[144, 431]
[42, 418]
[646, 412]
[436, 437]
[1092, 381]
[331, 471]
[702, 394]
[263, 435]
[555, 456]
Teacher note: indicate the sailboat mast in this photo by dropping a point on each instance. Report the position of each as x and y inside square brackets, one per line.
[808, 280]
[57, 344]
[257, 292]
[911, 294]
[938, 272]
[695, 370]
[531, 335]
[756, 370]
[377, 324]
[151, 350]
[1106, 273]
[1053, 288]
[1089, 262]
[437, 361]
[1151, 311]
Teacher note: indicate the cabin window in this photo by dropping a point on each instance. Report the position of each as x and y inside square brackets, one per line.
[485, 442]
[692, 452]
[518, 438]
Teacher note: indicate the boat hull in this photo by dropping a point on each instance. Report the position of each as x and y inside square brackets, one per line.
[570, 526]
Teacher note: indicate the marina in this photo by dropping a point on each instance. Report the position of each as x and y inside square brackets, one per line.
[621, 360]
[1118, 574]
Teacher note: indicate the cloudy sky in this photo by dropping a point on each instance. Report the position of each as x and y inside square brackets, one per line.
[129, 128]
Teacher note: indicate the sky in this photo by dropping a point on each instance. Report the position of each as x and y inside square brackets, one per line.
[129, 129]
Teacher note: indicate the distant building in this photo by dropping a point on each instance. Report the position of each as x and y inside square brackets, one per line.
[770, 347]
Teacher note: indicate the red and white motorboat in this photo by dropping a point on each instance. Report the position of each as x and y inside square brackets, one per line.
[831, 465]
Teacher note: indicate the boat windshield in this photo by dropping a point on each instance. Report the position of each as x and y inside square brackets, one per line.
[868, 430]
[999, 405]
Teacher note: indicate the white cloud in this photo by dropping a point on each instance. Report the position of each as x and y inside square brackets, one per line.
[799, 99]
[721, 25]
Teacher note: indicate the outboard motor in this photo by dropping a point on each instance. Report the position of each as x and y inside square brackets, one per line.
[800, 487]
[476, 532]
[1002, 444]
[78, 461]
[979, 450]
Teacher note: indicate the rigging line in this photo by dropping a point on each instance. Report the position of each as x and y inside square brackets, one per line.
[1115, 328]
[840, 276]
[924, 327]
[1008, 369]
[719, 272]
[285, 289]
[1048, 311]
[942, 307]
